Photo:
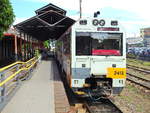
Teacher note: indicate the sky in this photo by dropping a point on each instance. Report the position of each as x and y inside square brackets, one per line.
[132, 14]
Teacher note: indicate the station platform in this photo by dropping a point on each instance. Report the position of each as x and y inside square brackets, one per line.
[43, 93]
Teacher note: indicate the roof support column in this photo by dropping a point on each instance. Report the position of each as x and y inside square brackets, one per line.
[10, 47]
[30, 39]
[27, 47]
[8, 50]
[24, 44]
[16, 48]
[4, 48]
[1, 50]
[32, 47]
[20, 48]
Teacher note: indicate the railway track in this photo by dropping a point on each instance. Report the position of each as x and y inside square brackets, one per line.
[101, 106]
[138, 80]
[144, 70]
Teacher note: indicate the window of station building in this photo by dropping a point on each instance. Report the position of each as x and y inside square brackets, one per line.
[99, 44]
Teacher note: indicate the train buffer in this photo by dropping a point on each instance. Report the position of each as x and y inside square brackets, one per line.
[38, 91]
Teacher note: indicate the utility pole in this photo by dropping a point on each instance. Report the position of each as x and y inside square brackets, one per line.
[80, 8]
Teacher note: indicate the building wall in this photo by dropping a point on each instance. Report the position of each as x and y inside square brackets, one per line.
[145, 33]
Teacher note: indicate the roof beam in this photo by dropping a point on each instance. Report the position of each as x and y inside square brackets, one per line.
[44, 22]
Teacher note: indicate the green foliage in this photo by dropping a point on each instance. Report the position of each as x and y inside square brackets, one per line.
[130, 55]
[139, 63]
[37, 53]
[146, 63]
[58, 45]
[24, 46]
[6, 15]
[46, 43]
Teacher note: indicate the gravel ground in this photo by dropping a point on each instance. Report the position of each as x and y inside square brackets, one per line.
[139, 74]
[133, 100]
[139, 63]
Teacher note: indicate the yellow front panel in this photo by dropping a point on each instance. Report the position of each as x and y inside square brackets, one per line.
[116, 73]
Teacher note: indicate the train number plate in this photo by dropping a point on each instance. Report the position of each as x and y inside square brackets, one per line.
[116, 73]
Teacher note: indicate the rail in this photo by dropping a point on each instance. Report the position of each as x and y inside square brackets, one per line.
[145, 70]
[101, 106]
[11, 76]
[139, 81]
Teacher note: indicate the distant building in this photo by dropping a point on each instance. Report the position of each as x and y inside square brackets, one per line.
[134, 40]
[145, 34]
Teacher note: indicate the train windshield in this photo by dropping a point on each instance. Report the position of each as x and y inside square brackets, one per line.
[99, 44]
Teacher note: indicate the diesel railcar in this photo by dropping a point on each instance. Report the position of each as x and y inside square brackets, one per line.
[92, 53]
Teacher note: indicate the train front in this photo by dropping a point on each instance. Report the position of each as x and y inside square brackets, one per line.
[98, 57]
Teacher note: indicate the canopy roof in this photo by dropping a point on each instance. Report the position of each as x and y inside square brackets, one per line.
[50, 7]
[50, 24]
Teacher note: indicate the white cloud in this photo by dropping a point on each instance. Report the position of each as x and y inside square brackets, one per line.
[132, 28]
[138, 7]
[75, 17]
[66, 4]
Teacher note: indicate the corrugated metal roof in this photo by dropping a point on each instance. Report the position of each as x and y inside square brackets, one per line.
[50, 7]
[48, 25]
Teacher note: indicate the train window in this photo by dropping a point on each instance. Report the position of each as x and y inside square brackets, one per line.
[106, 44]
[99, 44]
[83, 44]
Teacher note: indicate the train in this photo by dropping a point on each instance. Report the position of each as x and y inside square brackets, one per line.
[92, 53]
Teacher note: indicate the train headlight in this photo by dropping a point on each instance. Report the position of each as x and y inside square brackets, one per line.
[114, 23]
[102, 22]
[95, 22]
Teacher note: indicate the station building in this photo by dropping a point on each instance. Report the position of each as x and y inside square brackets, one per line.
[134, 41]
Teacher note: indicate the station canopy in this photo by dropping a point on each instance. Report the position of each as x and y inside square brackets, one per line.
[50, 22]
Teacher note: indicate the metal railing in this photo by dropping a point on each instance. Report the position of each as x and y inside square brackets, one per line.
[11, 76]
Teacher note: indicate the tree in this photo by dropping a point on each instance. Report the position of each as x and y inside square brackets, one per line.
[46, 44]
[6, 15]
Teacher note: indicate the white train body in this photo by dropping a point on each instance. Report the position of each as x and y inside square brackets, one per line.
[93, 53]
